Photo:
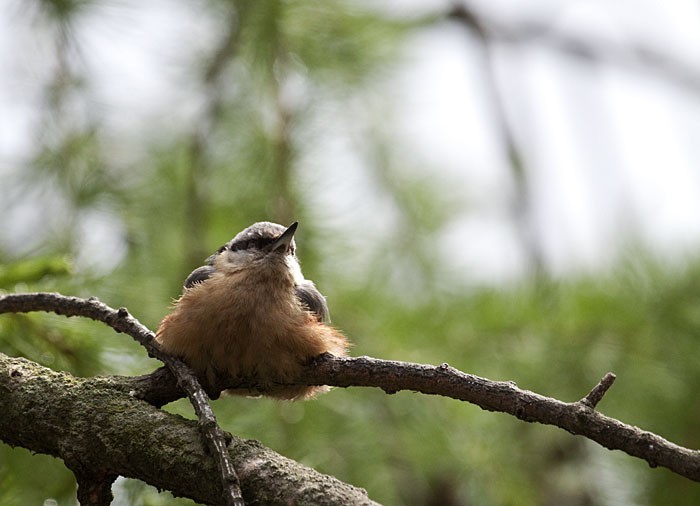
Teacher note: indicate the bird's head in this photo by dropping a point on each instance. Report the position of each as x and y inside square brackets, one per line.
[260, 242]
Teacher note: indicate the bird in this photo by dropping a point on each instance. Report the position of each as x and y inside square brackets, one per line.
[249, 317]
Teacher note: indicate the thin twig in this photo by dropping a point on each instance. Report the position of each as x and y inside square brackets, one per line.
[596, 394]
[121, 321]
[506, 397]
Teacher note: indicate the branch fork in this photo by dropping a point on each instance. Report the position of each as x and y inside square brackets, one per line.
[593, 397]
[122, 321]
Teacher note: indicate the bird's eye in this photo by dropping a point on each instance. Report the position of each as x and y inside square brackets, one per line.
[221, 249]
[263, 242]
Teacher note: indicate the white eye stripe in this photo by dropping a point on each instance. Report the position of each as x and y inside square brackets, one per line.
[236, 258]
[242, 258]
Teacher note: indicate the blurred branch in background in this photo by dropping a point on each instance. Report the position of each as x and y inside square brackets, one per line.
[488, 32]
[521, 209]
[635, 55]
[200, 167]
[70, 162]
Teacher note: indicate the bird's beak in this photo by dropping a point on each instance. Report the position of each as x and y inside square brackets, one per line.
[284, 241]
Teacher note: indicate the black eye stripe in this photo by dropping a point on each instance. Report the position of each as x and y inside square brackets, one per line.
[258, 236]
[258, 242]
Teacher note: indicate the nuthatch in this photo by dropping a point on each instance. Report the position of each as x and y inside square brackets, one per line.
[250, 315]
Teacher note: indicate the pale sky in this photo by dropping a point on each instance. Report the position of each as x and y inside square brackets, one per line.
[609, 149]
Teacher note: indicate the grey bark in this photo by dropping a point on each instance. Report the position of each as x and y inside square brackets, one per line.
[100, 430]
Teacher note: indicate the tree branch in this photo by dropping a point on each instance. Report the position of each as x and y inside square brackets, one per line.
[506, 397]
[121, 321]
[596, 394]
[578, 417]
[99, 429]
[391, 376]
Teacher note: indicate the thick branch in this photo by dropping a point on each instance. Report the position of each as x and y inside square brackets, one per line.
[99, 429]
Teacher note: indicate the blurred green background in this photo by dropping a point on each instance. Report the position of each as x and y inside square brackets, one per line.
[283, 110]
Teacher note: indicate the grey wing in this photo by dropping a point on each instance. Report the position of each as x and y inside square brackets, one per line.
[312, 300]
[199, 274]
